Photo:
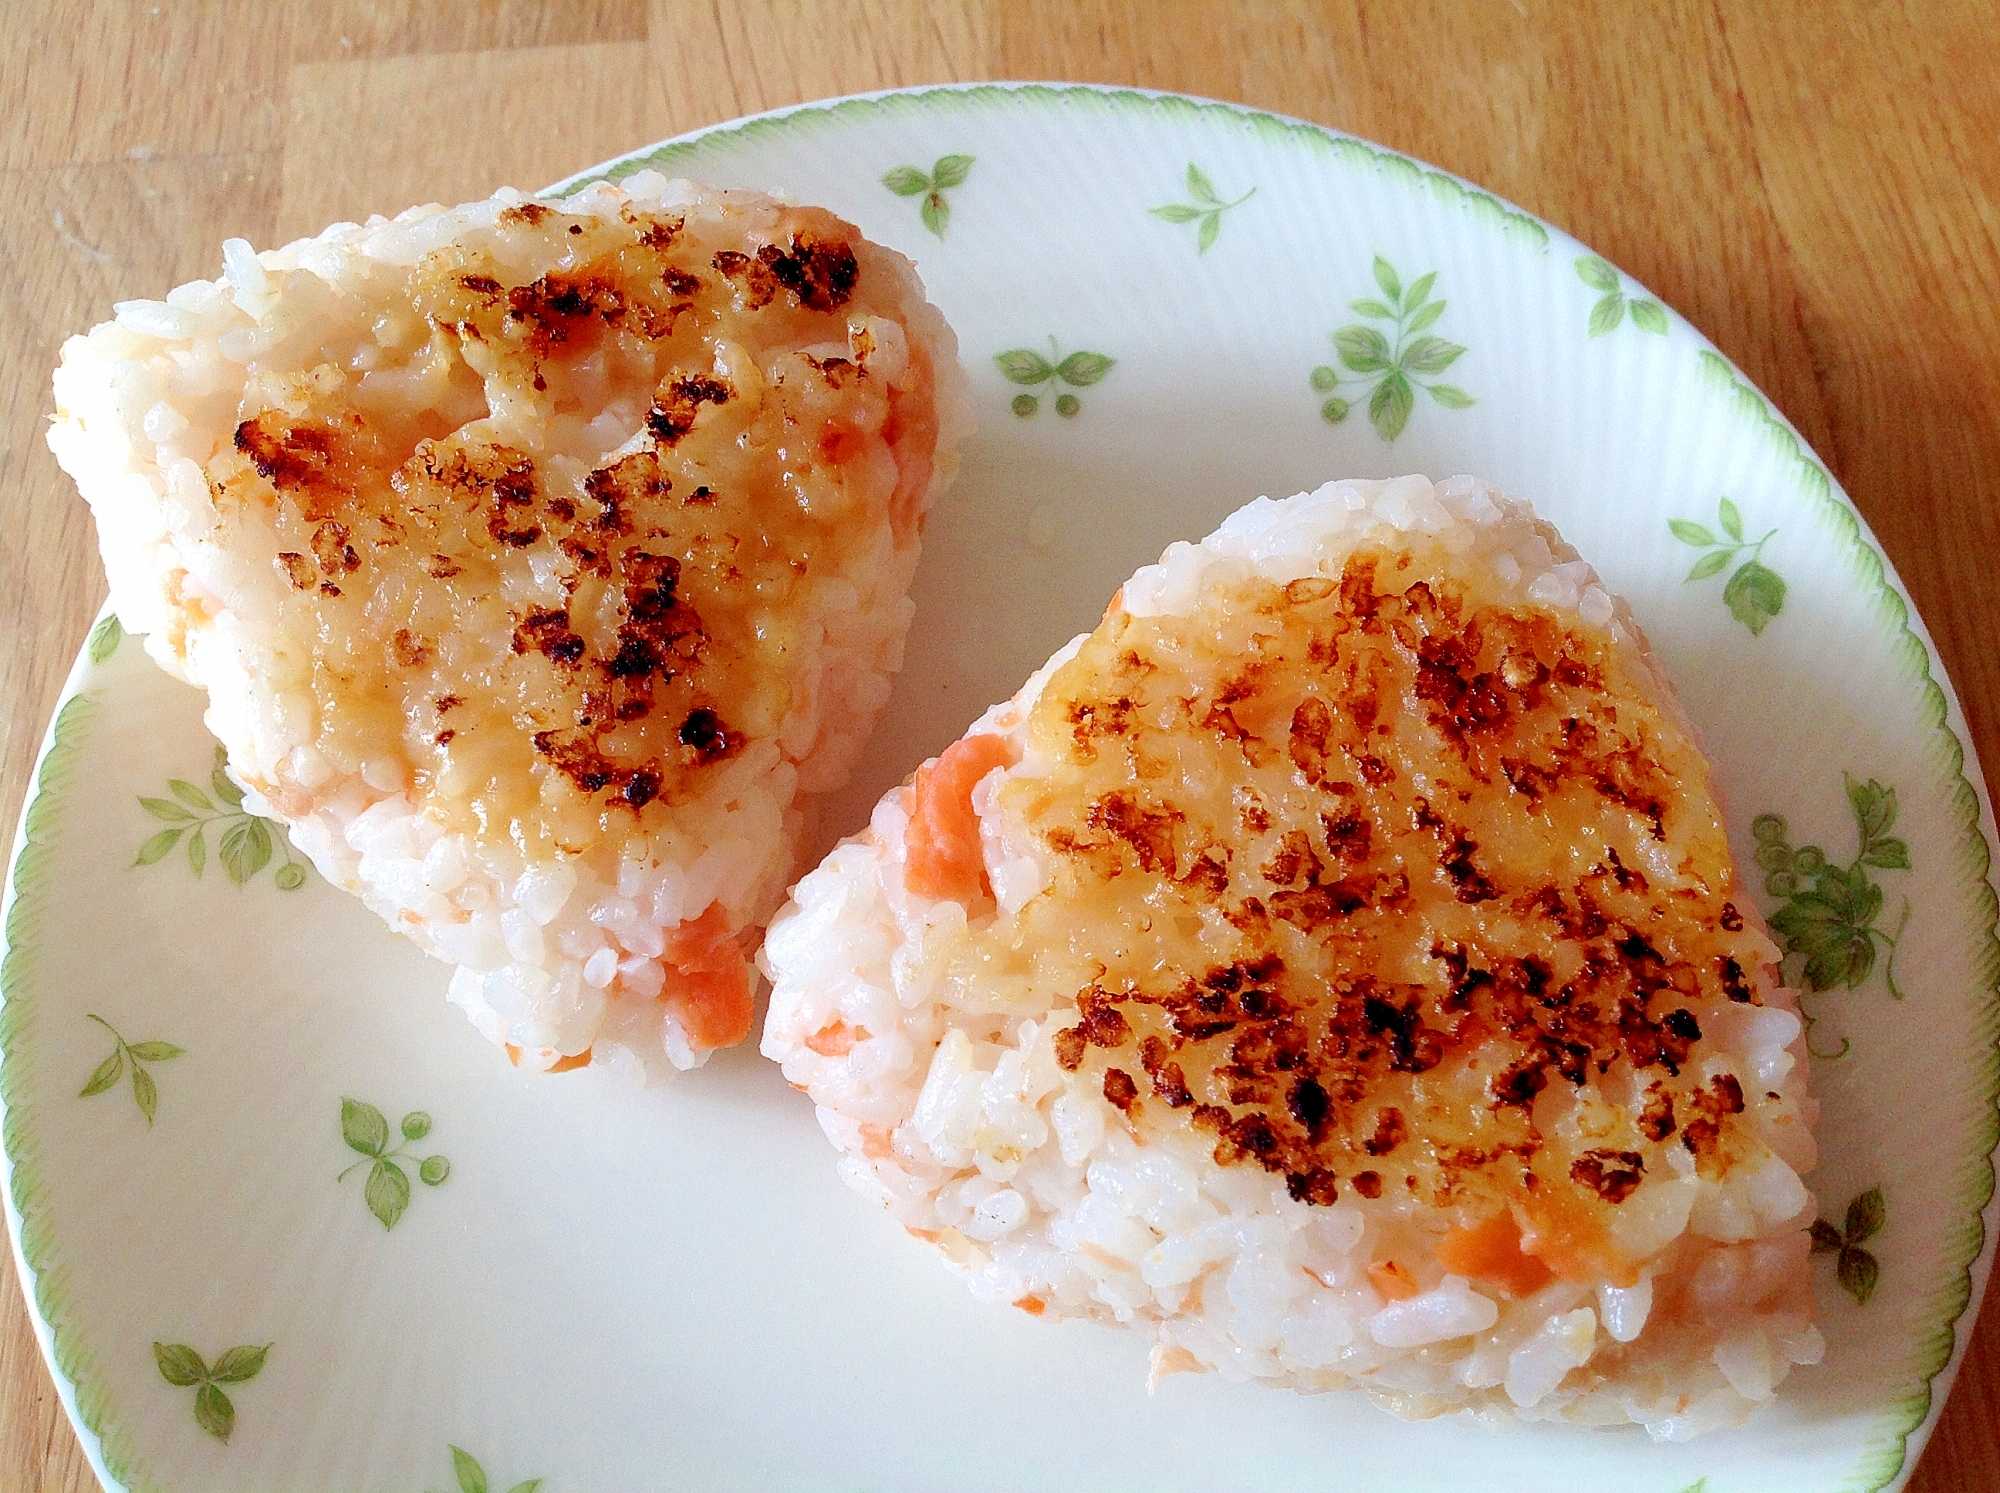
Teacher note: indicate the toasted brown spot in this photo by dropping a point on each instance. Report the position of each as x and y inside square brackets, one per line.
[657, 232]
[672, 416]
[1120, 1090]
[1612, 1175]
[576, 756]
[1149, 836]
[331, 549]
[1389, 1133]
[1656, 1120]
[1171, 1085]
[819, 272]
[317, 461]
[1321, 1189]
[703, 734]
[1070, 1045]
[546, 630]
[757, 285]
[1704, 1135]
[409, 650]
[1103, 1025]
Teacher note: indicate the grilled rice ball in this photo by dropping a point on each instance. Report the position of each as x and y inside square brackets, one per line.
[1334, 966]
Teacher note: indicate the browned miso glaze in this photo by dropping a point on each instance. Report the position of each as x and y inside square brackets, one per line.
[537, 639]
[1351, 873]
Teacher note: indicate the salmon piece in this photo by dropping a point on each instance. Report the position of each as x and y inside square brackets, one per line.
[1491, 1251]
[711, 993]
[876, 1143]
[836, 1039]
[1568, 1236]
[942, 842]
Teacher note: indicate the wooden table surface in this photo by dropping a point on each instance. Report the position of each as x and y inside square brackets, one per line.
[1816, 187]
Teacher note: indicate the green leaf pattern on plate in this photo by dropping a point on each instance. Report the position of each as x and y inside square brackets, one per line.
[245, 841]
[1857, 1269]
[1390, 369]
[1754, 593]
[1025, 366]
[948, 172]
[104, 639]
[1609, 311]
[1206, 209]
[184, 1368]
[387, 1190]
[1829, 911]
[133, 1055]
[471, 1477]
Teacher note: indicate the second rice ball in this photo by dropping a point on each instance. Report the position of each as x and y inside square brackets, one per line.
[1334, 967]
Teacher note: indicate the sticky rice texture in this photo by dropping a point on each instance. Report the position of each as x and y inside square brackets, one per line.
[584, 934]
[946, 1098]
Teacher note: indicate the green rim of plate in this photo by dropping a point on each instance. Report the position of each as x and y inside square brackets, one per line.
[83, 1387]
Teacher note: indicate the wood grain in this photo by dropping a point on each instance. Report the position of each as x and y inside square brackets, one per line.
[1818, 189]
[462, 104]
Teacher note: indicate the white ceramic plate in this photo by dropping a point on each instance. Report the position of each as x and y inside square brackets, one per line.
[619, 1290]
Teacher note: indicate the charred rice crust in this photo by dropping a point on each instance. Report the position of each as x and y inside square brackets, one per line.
[630, 713]
[1383, 962]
